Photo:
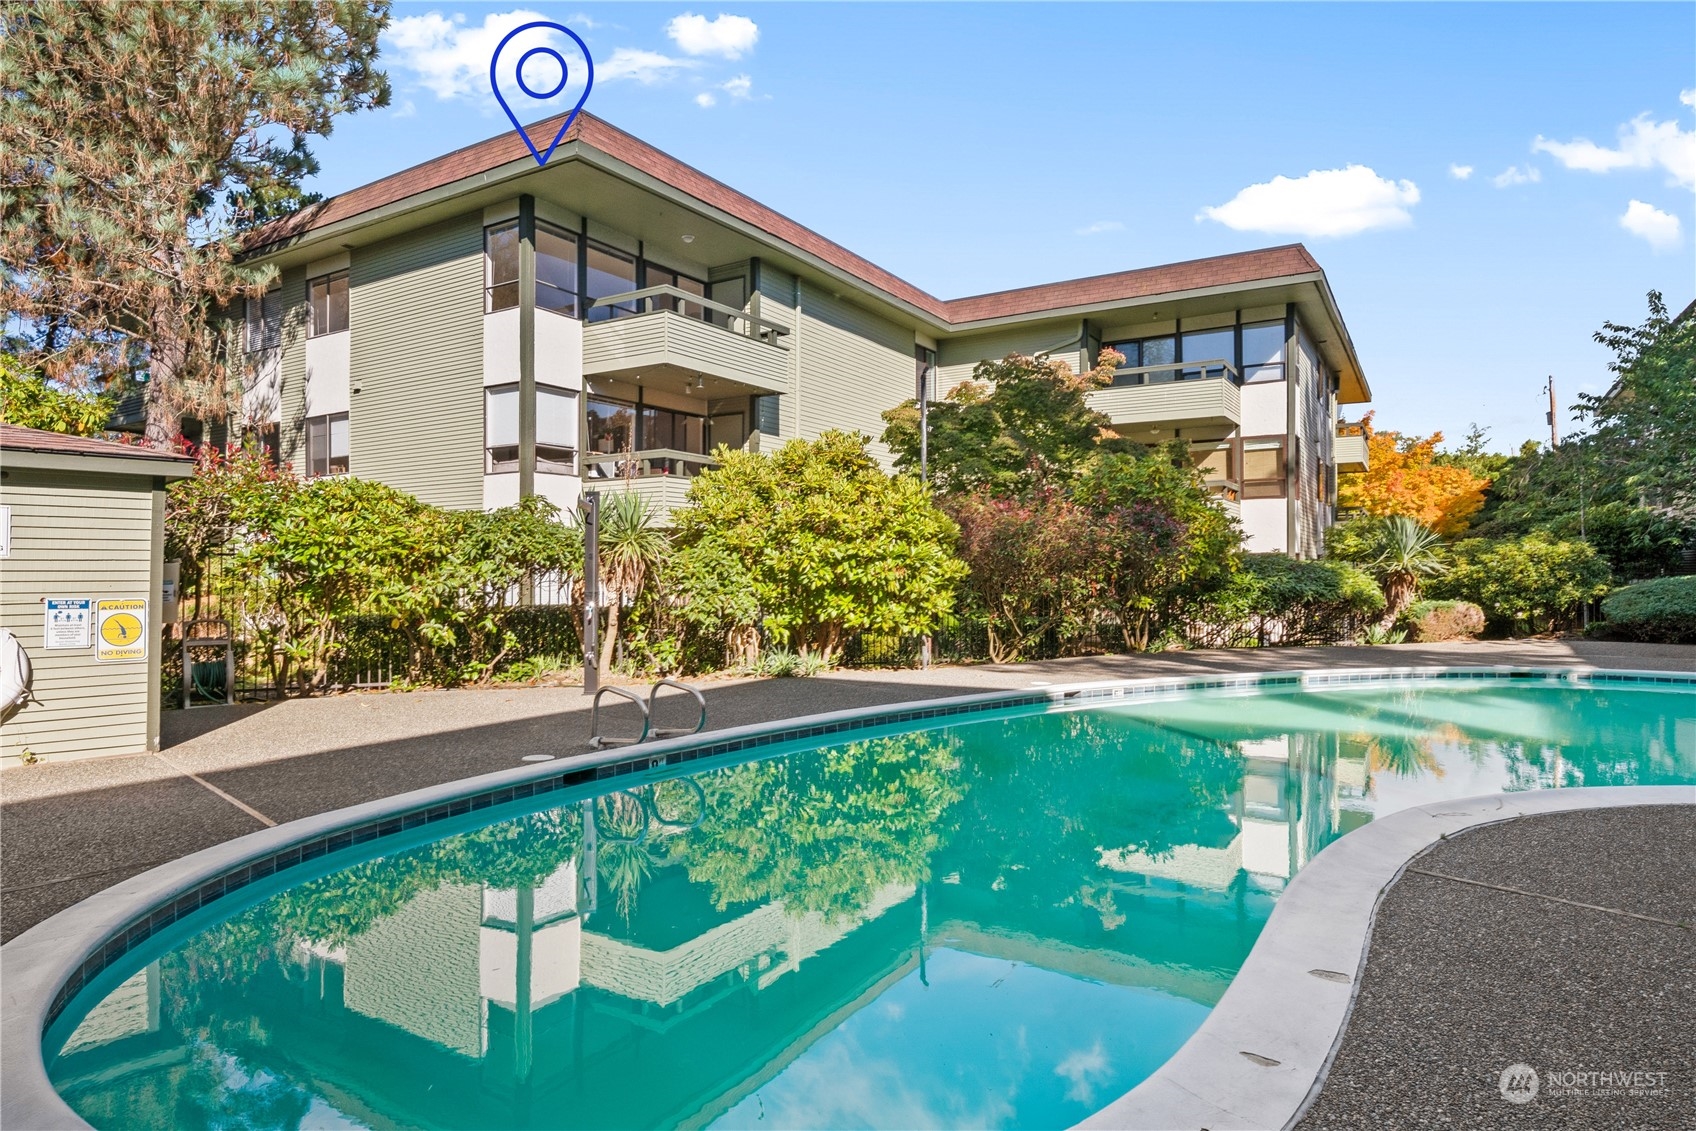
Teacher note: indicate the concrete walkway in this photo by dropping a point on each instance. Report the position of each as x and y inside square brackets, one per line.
[69, 829]
[1565, 943]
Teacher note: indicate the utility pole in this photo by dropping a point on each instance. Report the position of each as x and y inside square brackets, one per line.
[1554, 433]
[591, 590]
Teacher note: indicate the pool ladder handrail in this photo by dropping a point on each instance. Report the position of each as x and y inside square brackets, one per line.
[598, 741]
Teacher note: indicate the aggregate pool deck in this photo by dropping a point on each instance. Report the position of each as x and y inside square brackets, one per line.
[69, 829]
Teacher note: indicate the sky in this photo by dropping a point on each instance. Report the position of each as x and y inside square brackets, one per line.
[1484, 184]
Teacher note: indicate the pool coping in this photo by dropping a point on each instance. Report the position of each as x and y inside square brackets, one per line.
[48, 964]
[1261, 1056]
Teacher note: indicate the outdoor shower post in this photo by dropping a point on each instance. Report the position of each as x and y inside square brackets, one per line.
[591, 590]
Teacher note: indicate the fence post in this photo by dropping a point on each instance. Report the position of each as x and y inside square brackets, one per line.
[591, 590]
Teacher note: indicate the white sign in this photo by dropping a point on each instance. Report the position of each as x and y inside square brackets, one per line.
[121, 626]
[68, 621]
[5, 532]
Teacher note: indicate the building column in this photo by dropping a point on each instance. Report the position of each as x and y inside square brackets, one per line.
[526, 346]
[1292, 474]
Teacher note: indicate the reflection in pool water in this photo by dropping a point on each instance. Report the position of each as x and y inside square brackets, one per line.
[1005, 922]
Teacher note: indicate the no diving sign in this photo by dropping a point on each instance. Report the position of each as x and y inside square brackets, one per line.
[120, 630]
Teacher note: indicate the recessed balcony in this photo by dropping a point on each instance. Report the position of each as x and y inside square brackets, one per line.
[1166, 398]
[671, 339]
[659, 475]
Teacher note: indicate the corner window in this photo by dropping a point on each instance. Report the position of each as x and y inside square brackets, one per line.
[556, 429]
[1144, 353]
[658, 276]
[611, 272]
[1263, 351]
[264, 319]
[326, 445]
[924, 373]
[1263, 468]
[1208, 345]
[327, 297]
[556, 268]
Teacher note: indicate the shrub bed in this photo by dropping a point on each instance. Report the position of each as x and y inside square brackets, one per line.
[1662, 611]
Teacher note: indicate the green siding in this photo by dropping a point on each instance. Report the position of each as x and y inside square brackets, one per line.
[416, 314]
[76, 534]
[852, 365]
[291, 433]
[957, 357]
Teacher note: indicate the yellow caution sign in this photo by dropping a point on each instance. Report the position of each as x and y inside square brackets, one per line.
[121, 630]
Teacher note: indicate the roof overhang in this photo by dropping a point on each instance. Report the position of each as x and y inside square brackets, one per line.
[144, 467]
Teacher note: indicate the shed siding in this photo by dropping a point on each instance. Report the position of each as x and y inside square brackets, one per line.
[416, 316]
[77, 535]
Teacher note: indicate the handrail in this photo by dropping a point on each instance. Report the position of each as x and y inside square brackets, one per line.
[596, 740]
[1350, 428]
[763, 326]
[667, 456]
[677, 732]
[1204, 365]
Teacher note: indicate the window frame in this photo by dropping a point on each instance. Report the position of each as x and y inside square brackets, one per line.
[327, 422]
[1265, 487]
[551, 458]
[327, 280]
[269, 307]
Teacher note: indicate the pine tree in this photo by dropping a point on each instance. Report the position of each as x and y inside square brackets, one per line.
[138, 142]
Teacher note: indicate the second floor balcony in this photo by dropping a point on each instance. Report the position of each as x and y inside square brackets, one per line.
[1350, 450]
[1162, 398]
[666, 336]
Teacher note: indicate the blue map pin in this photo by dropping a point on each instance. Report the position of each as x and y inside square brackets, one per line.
[542, 95]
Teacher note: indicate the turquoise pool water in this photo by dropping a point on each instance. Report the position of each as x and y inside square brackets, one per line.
[1003, 922]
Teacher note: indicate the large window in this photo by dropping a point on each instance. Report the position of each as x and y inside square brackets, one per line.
[1263, 467]
[556, 268]
[264, 318]
[327, 297]
[326, 445]
[1208, 345]
[556, 429]
[1145, 352]
[667, 428]
[1215, 460]
[612, 426]
[658, 276]
[1263, 351]
[611, 272]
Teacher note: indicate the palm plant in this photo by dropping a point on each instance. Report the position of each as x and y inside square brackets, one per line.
[631, 544]
[1408, 550]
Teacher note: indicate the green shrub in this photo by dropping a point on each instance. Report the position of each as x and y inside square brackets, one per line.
[1662, 611]
[1274, 599]
[1442, 620]
[1637, 542]
[1529, 584]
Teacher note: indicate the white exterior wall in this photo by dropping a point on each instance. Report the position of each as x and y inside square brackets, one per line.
[559, 365]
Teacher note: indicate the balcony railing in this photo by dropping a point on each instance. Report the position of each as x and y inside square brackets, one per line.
[648, 463]
[665, 297]
[1213, 368]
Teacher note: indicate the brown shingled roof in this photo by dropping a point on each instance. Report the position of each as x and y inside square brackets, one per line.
[15, 437]
[1219, 270]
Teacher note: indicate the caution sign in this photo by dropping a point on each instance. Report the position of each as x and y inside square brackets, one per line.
[120, 630]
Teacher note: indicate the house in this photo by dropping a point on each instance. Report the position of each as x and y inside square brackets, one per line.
[478, 328]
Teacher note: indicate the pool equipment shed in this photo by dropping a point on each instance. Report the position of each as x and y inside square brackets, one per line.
[82, 529]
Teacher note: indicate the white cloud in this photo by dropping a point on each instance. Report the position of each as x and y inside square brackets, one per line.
[448, 57]
[729, 37]
[740, 87]
[1661, 229]
[705, 100]
[407, 109]
[1643, 144]
[1460, 172]
[1100, 226]
[1688, 97]
[646, 67]
[1517, 175]
[1325, 202]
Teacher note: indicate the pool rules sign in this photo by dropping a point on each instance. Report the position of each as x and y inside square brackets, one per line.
[120, 630]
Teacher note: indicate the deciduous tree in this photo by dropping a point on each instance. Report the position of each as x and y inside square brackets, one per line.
[1404, 476]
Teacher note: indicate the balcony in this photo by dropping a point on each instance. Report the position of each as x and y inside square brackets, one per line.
[1350, 450]
[653, 336]
[659, 475]
[1165, 398]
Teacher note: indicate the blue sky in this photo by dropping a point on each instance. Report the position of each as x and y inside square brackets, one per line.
[1484, 184]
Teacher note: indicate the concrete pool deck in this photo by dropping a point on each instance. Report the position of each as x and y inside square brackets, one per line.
[72, 828]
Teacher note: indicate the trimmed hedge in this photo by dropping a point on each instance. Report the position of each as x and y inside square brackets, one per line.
[1662, 611]
[1430, 621]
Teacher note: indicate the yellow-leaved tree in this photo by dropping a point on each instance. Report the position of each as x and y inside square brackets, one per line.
[1403, 477]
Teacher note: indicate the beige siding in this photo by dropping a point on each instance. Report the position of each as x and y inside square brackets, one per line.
[852, 365]
[665, 338]
[959, 356]
[77, 535]
[1170, 403]
[416, 317]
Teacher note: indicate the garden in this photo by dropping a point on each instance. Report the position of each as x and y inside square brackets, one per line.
[1037, 532]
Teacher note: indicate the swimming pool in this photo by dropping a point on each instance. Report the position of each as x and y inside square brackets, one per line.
[994, 916]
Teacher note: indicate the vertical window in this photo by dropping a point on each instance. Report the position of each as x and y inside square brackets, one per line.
[611, 272]
[500, 266]
[729, 292]
[1263, 351]
[611, 426]
[924, 373]
[556, 270]
[326, 445]
[678, 431]
[264, 317]
[1208, 345]
[327, 297]
[556, 429]
[727, 429]
[1143, 353]
[664, 276]
[1263, 467]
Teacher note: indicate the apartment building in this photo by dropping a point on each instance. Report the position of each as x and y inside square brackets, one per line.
[478, 328]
